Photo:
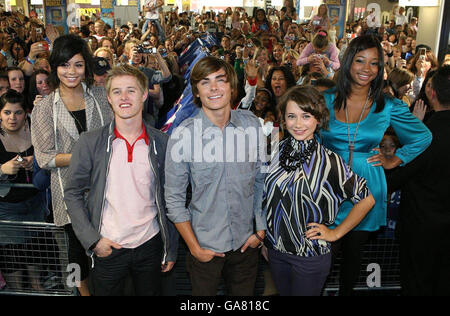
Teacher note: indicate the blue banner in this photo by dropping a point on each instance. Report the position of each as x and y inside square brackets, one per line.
[55, 14]
[337, 10]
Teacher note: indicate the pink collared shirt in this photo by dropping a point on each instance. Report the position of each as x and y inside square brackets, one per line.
[130, 212]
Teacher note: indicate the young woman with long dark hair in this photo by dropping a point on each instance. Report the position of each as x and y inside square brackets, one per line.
[58, 120]
[360, 113]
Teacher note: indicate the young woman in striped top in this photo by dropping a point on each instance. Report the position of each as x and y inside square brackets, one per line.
[305, 185]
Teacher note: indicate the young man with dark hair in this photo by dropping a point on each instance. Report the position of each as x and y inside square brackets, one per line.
[124, 158]
[424, 208]
[226, 205]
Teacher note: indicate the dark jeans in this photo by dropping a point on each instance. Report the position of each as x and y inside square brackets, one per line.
[299, 276]
[142, 263]
[352, 245]
[238, 269]
[76, 252]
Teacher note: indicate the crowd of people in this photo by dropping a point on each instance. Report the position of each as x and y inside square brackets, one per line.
[80, 114]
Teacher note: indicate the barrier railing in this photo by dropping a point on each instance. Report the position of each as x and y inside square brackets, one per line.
[380, 266]
[33, 259]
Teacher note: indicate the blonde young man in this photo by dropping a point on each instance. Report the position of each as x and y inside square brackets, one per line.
[123, 226]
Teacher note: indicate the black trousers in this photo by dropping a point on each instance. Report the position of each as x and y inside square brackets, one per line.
[142, 263]
[239, 270]
[424, 265]
[352, 246]
[76, 252]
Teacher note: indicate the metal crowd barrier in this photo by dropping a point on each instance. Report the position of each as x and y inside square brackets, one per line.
[33, 259]
[380, 267]
[379, 272]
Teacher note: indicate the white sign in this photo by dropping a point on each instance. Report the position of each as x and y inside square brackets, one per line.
[418, 3]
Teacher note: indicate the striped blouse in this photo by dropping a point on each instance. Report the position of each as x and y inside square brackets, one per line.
[311, 193]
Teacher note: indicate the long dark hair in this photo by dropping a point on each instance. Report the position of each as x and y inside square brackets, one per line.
[345, 80]
[64, 48]
[288, 76]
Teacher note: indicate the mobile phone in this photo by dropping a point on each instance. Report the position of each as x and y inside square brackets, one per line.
[154, 50]
[422, 53]
[45, 45]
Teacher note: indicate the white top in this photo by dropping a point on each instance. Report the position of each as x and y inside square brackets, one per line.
[373, 20]
[152, 14]
[400, 19]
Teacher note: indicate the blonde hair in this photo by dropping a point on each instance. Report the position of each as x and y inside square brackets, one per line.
[129, 43]
[38, 62]
[289, 53]
[259, 51]
[126, 70]
[107, 50]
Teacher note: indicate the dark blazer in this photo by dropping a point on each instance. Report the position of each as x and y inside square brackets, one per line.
[424, 182]
[424, 219]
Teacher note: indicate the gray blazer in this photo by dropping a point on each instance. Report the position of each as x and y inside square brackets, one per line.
[88, 172]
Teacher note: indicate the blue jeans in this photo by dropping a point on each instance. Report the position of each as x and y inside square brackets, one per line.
[161, 34]
[31, 210]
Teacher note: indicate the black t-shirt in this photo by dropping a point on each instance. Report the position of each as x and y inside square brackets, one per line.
[16, 195]
[80, 120]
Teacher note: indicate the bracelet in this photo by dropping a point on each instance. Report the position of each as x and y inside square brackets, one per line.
[259, 237]
[30, 61]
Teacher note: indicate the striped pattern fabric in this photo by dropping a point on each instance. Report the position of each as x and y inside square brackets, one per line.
[310, 194]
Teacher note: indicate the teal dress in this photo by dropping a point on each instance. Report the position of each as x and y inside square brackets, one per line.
[411, 132]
